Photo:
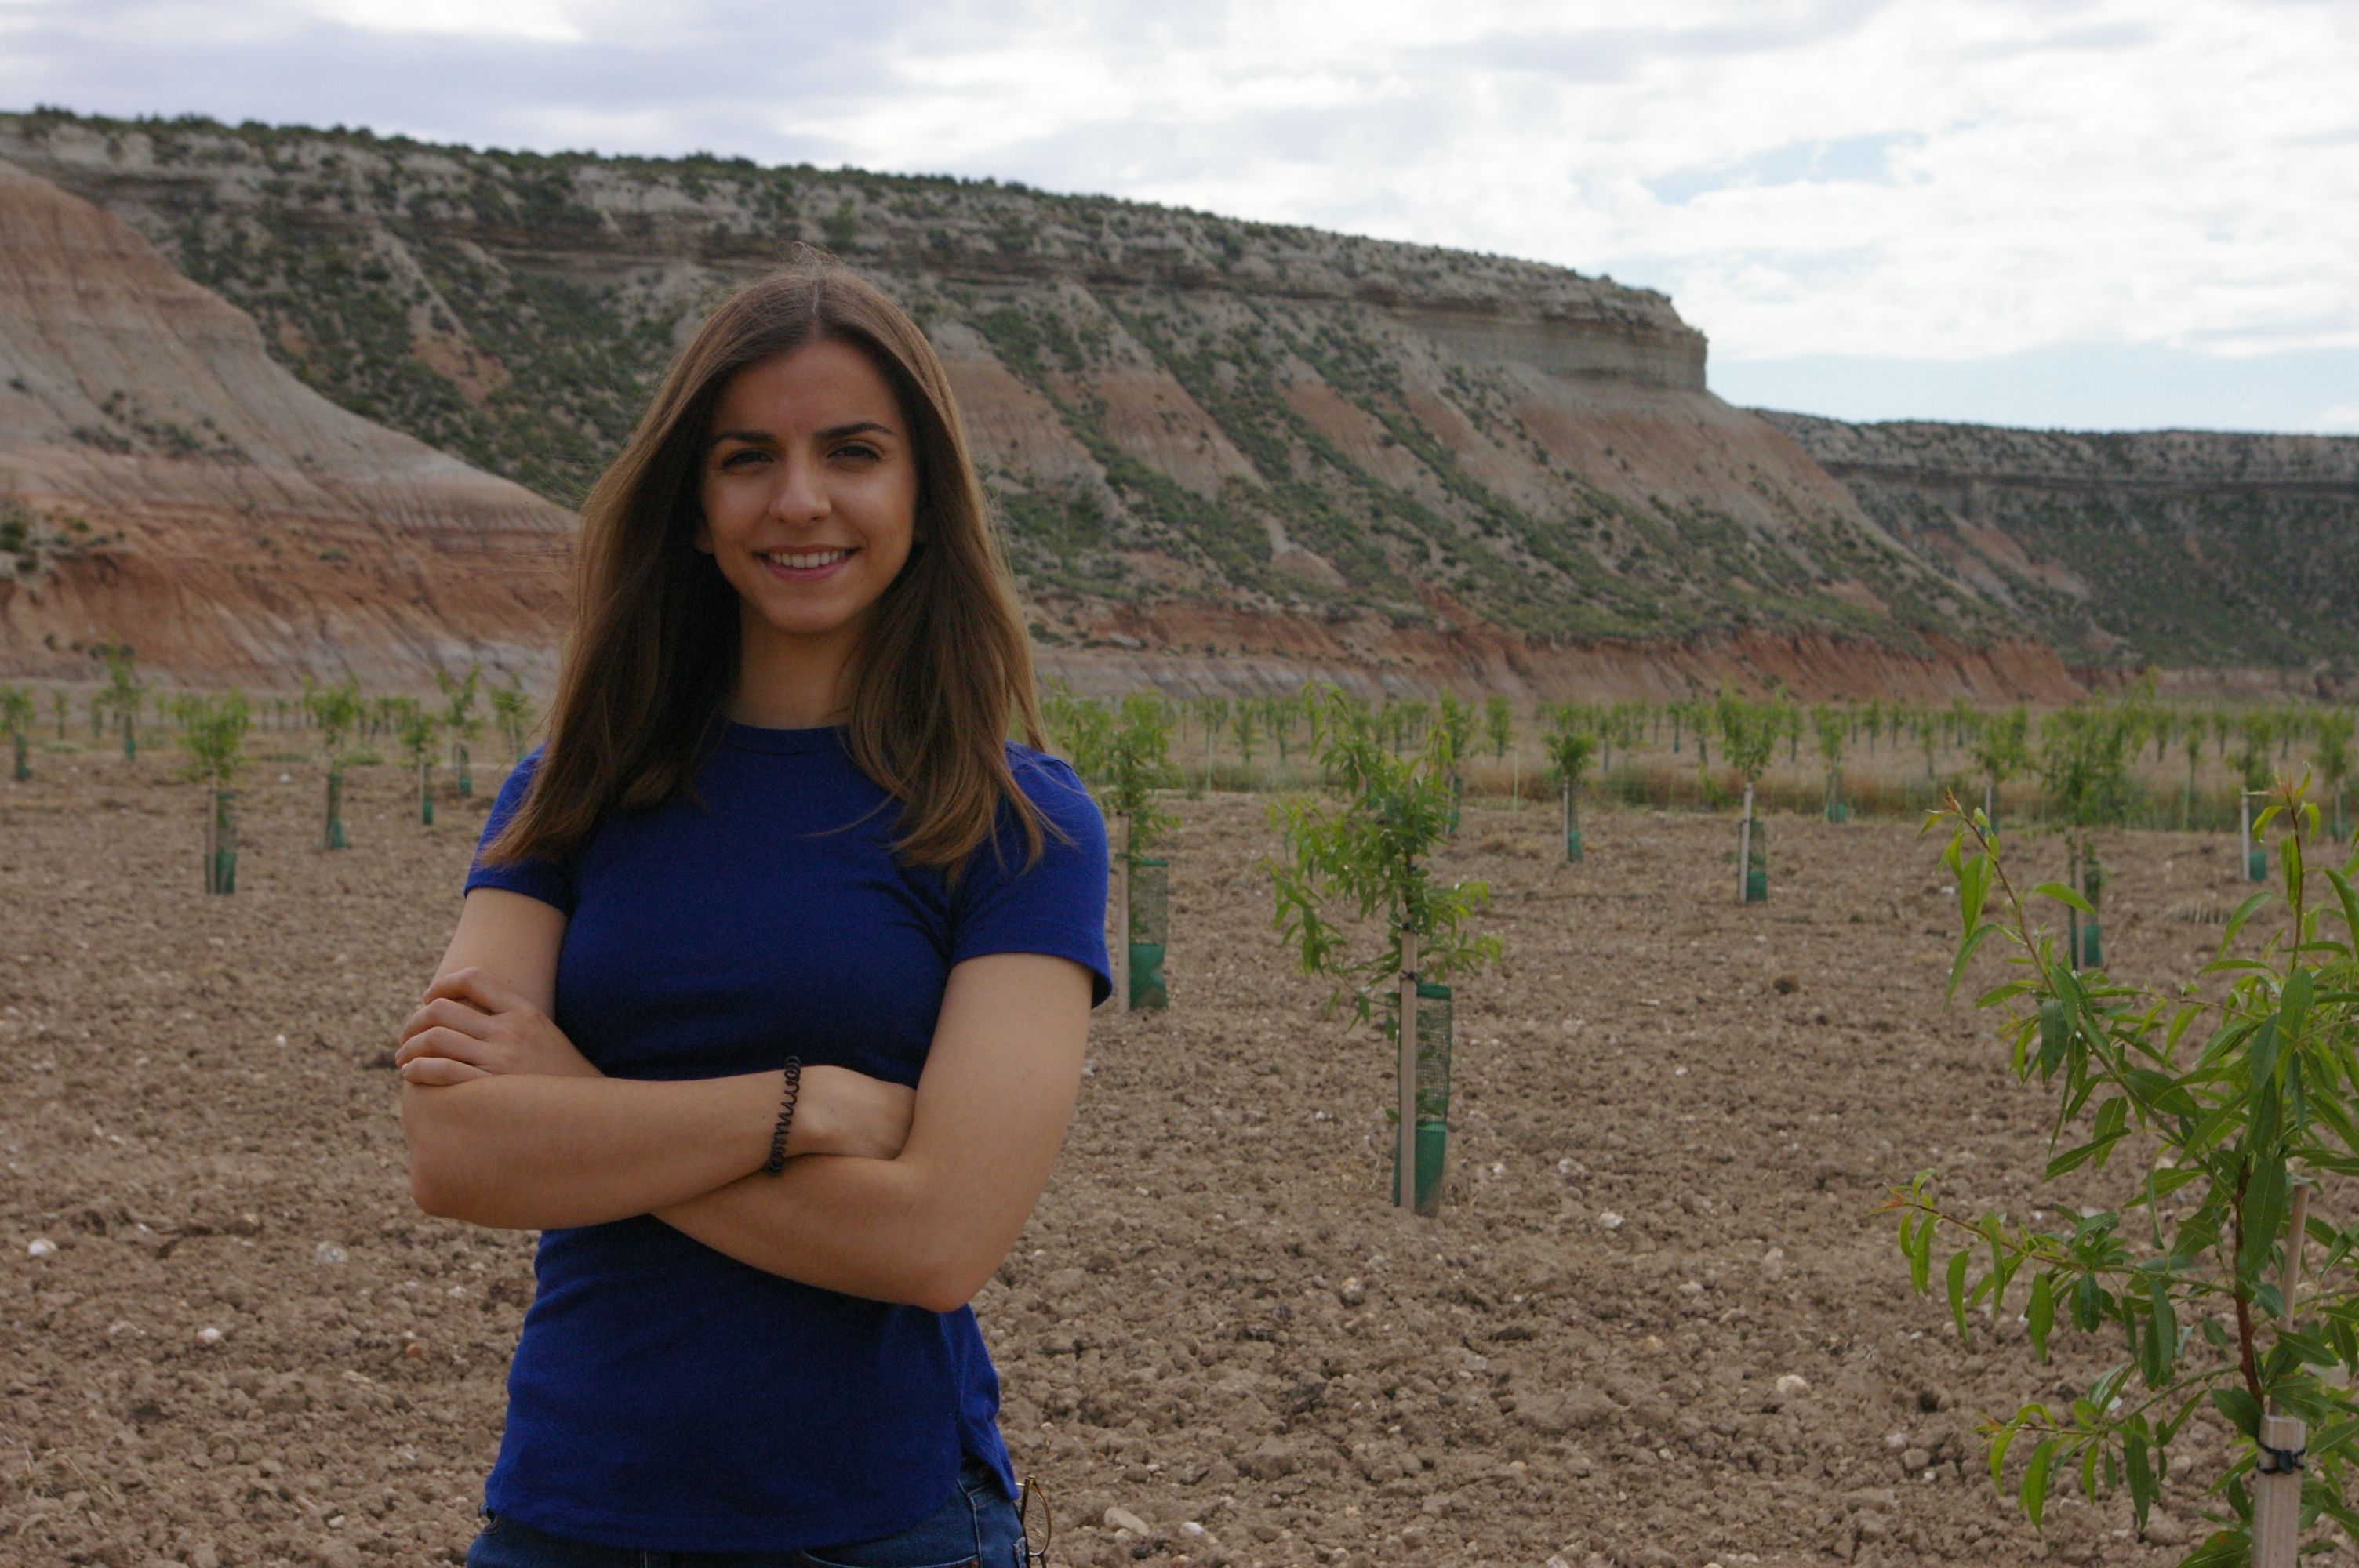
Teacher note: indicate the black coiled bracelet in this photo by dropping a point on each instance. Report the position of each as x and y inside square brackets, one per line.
[794, 1089]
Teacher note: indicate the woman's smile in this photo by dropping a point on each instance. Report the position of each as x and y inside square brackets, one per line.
[807, 565]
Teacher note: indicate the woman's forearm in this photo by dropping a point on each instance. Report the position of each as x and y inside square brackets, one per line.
[529, 1152]
[865, 1227]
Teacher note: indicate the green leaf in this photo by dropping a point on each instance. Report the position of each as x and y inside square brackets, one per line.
[2241, 1410]
[1920, 1256]
[2055, 1030]
[1957, 1297]
[2064, 894]
[2293, 1007]
[2034, 1495]
[2041, 1313]
[2264, 1211]
[2162, 1334]
[1974, 886]
[2243, 912]
[2141, 1477]
[2261, 1056]
[2349, 900]
[2088, 1304]
[1975, 939]
[1999, 1446]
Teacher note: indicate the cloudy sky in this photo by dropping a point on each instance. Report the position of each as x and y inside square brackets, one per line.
[2098, 215]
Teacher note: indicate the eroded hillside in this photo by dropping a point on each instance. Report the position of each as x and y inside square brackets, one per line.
[1226, 453]
[2175, 547]
[164, 482]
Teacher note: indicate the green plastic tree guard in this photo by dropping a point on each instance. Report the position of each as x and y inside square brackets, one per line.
[1150, 927]
[2088, 951]
[335, 830]
[1757, 864]
[1433, 1034]
[220, 871]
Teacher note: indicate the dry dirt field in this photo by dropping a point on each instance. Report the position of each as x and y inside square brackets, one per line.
[248, 1347]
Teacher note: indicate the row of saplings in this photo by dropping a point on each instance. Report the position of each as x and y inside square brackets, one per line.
[2236, 1097]
[212, 730]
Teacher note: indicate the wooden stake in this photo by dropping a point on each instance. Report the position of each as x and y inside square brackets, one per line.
[2073, 915]
[1745, 847]
[1121, 913]
[2277, 1493]
[1406, 1152]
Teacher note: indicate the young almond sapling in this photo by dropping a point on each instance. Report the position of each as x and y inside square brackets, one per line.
[1368, 852]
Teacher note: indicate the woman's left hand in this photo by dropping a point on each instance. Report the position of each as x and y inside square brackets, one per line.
[474, 1025]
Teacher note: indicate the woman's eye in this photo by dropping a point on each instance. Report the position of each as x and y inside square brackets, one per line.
[736, 459]
[856, 449]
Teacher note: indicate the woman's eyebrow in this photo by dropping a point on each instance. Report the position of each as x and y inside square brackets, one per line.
[832, 433]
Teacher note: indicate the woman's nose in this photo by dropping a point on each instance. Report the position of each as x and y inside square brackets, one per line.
[800, 494]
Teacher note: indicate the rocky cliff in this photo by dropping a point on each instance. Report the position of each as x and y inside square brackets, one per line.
[2228, 559]
[1227, 454]
[164, 482]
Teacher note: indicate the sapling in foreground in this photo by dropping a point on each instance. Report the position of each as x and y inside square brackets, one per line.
[122, 693]
[1455, 719]
[17, 724]
[417, 732]
[2332, 765]
[1832, 730]
[1499, 723]
[512, 711]
[1368, 850]
[2084, 765]
[2229, 1099]
[1135, 759]
[1569, 747]
[1748, 730]
[336, 709]
[460, 722]
[213, 732]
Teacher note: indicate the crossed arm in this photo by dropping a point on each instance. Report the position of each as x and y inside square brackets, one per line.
[509, 1125]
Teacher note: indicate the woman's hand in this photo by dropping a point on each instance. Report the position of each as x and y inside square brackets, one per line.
[474, 1025]
[840, 1111]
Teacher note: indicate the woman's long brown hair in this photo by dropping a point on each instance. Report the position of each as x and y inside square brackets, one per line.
[652, 662]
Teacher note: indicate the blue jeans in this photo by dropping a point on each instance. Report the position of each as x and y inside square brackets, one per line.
[976, 1526]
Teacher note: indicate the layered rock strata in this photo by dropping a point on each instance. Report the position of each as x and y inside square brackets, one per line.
[164, 482]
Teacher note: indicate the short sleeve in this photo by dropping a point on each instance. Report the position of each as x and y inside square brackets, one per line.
[1056, 905]
[547, 881]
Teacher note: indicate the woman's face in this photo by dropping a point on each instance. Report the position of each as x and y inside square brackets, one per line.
[809, 493]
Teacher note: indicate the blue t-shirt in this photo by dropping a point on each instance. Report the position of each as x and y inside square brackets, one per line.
[664, 1396]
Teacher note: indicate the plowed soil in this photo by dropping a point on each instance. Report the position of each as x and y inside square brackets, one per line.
[1673, 1117]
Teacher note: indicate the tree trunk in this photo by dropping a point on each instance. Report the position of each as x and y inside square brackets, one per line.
[1405, 1152]
[1121, 913]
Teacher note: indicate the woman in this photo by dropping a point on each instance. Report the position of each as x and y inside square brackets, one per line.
[776, 819]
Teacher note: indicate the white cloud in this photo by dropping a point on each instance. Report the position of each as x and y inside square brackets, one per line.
[543, 19]
[1965, 181]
